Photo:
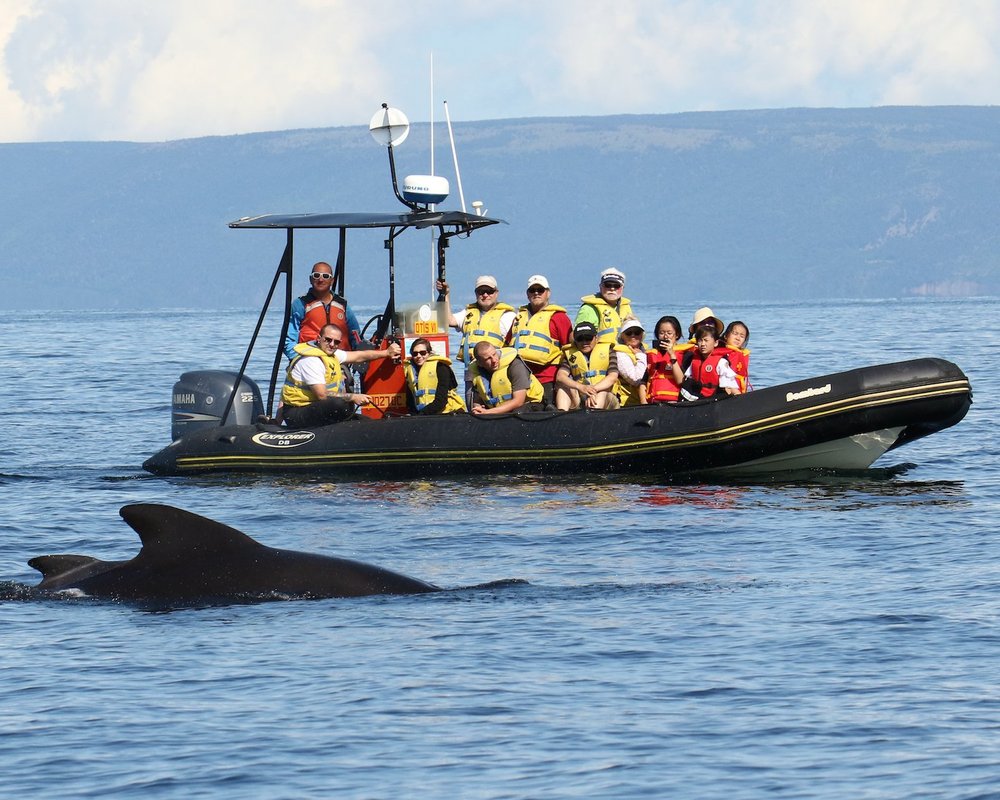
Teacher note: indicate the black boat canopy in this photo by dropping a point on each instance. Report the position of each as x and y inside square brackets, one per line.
[419, 219]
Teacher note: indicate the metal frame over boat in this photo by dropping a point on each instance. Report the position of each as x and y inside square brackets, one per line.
[840, 421]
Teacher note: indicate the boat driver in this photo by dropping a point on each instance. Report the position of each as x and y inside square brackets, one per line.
[317, 307]
[314, 392]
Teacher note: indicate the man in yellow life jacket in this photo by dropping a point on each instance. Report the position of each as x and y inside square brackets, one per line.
[606, 309]
[502, 382]
[486, 320]
[314, 392]
[588, 373]
[539, 334]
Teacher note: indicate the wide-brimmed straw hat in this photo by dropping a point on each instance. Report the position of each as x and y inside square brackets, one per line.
[704, 316]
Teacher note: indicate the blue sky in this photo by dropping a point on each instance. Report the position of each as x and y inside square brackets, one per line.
[152, 70]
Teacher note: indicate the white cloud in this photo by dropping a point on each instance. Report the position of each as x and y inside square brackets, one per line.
[160, 69]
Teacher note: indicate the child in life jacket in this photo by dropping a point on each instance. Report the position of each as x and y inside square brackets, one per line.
[664, 362]
[709, 374]
[734, 341]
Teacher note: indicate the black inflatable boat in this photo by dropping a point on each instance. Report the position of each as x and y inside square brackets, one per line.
[840, 421]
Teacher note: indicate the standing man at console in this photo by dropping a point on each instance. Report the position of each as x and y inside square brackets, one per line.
[606, 309]
[318, 307]
[314, 392]
[486, 320]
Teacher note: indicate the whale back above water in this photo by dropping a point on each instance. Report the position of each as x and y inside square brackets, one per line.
[185, 556]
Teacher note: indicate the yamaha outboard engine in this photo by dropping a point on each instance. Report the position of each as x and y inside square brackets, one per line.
[201, 397]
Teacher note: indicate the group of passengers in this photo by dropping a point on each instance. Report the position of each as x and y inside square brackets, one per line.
[531, 358]
[535, 358]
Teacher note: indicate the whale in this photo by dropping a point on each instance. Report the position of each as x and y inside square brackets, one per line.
[186, 557]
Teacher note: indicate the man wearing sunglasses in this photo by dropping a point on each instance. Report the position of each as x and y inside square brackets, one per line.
[606, 309]
[539, 334]
[486, 320]
[314, 393]
[588, 374]
[318, 307]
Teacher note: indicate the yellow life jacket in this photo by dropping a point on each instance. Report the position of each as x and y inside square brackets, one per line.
[628, 395]
[424, 385]
[480, 326]
[588, 370]
[609, 318]
[532, 338]
[498, 388]
[298, 393]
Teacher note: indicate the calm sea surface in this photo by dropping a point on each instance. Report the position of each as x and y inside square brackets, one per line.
[832, 638]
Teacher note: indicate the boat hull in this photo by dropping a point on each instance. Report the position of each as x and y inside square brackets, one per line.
[839, 421]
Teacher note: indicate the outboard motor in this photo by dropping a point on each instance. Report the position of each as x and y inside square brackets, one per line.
[201, 397]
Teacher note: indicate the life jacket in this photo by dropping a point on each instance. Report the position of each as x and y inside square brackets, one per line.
[609, 318]
[298, 393]
[498, 389]
[660, 384]
[628, 395]
[424, 385]
[739, 360]
[480, 326]
[588, 370]
[317, 315]
[532, 337]
[705, 371]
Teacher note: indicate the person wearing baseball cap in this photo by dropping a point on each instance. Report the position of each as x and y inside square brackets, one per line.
[606, 309]
[486, 320]
[587, 376]
[539, 334]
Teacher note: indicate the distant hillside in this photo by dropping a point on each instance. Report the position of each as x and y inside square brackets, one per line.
[762, 205]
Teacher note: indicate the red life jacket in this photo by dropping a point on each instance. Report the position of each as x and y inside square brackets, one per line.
[661, 387]
[706, 370]
[317, 315]
[739, 360]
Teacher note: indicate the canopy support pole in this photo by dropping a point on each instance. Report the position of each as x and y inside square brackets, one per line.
[284, 268]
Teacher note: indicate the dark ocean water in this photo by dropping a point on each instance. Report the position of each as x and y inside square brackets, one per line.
[830, 637]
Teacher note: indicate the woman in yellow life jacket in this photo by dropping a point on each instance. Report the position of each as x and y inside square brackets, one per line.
[431, 387]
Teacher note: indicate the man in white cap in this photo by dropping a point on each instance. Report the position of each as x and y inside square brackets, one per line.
[606, 309]
[539, 333]
[486, 320]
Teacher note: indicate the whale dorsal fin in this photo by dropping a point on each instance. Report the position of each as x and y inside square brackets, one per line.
[166, 531]
[51, 566]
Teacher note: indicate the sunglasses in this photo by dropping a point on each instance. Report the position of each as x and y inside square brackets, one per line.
[537, 290]
[583, 339]
[419, 352]
[633, 332]
[320, 275]
[611, 285]
[486, 291]
[331, 340]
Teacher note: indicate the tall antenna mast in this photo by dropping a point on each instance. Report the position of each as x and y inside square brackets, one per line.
[454, 157]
